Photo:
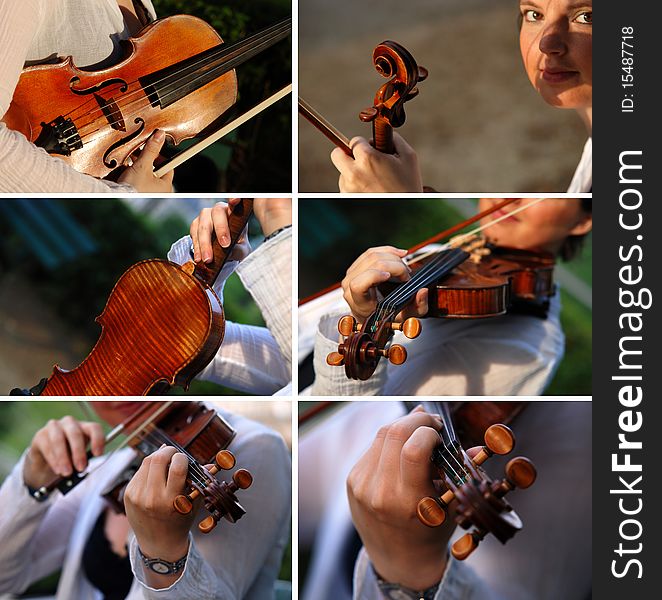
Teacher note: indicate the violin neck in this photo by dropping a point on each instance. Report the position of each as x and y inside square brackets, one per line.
[382, 135]
[174, 83]
[434, 270]
[448, 455]
[208, 272]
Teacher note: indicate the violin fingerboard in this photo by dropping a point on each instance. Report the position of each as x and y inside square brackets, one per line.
[208, 272]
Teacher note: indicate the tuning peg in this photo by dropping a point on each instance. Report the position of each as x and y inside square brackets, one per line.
[335, 359]
[432, 511]
[499, 439]
[207, 524]
[224, 460]
[412, 94]
[520, 473]
[463, 547]
[348, 325]
[241, 480]
[396, 354]
[411, 327]
[368, 114]
[422, 73]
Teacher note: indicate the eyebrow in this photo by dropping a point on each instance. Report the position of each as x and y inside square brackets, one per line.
[580, 4]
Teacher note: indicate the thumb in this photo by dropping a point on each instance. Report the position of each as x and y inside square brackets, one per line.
[151, 150]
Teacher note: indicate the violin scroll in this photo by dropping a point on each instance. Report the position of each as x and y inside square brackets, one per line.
[479, 502]
[360, 352]
[219, 497]
[392, 61]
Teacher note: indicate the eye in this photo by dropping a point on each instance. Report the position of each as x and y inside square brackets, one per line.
[532, 16]
[585, 18]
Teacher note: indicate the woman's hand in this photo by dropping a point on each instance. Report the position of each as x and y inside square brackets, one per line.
[273, 213]
[140, 174]
[214, 220]
[60, 448]
[374, 267]
[384, 489]
[374, 171]
[160, 530]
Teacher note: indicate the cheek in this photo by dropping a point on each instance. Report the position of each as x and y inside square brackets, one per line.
[530, 54]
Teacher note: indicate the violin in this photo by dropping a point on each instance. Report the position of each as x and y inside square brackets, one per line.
[162, 324]
[474, 500]
[394, 62]
[495, 281]
[177, 76]
[198, 432]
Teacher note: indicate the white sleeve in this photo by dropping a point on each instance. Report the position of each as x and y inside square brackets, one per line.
[35, 535]
[23, 166]
[251, 359]
[459, 582]
[503, 356]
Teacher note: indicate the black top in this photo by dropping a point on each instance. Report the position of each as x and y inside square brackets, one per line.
[109, 573]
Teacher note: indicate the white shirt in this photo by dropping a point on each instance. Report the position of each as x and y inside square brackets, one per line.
[234, 561]
[501, 356]
[582, 180]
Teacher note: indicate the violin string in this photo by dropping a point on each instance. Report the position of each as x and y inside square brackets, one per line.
[250, 47]
[197, 473]
[478, 229]
[403, 294]
[385, 304]
[387, 307]
[157, 436]
[248, 42]
[115, 115]
[448, 439]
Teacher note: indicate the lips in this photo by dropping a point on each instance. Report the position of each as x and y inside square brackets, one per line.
[503, 213]
[558, 75]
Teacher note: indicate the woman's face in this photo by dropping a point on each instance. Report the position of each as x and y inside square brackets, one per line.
[116, 412]
[543, 227]
[556, 40]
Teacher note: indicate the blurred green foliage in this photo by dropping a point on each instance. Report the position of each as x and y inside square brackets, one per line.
[262, 151]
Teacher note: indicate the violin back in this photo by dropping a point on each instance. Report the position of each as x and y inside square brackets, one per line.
[160, 327]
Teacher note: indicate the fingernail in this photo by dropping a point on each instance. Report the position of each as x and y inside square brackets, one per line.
[225, 241]
[159, 135]
[208, 257]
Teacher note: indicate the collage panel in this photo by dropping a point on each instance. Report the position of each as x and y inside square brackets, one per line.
[113, 522]
[124, 302]
[465, 297]
[392, 506]
[148, 96]
[461, 96]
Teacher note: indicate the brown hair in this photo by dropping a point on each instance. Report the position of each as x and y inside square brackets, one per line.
[573, 243]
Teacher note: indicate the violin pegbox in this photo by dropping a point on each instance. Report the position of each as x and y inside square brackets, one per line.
[360, 352]
[393, 61]
[479, 502]
[219, 497]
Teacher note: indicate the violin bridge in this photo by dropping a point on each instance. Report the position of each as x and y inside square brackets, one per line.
[112, 112]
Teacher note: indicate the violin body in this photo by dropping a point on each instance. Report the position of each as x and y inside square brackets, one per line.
[94, 120]
[491, 287]
[160, 327]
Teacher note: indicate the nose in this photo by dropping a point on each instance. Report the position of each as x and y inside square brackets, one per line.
[554, 38]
